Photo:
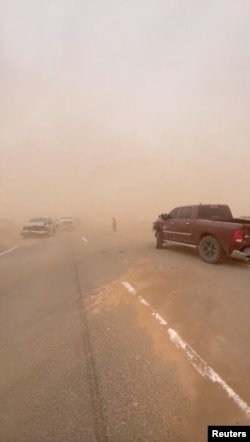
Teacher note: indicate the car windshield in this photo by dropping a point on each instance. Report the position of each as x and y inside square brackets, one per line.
[37, 220]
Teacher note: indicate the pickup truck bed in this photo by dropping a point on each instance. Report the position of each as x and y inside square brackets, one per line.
[209, 228]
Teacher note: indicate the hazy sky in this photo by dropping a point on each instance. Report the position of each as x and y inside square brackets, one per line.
[132, 104]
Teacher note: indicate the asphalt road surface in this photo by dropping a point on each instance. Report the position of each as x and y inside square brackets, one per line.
[105, 338]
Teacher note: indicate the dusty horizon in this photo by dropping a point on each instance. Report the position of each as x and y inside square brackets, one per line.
[123, 110]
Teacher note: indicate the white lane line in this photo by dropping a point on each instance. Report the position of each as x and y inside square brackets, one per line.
[196, 361]
[129, 287]
[159, 318]
[144, 302]
[8, 250]
[205, 371]
[84, 239]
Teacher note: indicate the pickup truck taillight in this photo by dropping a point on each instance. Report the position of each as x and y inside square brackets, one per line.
[238, 236]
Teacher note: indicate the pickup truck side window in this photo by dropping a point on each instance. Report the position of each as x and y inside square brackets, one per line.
[174, 213]
[215, 212]
[186, 212]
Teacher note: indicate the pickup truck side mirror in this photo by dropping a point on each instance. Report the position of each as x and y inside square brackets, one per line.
[163, 216]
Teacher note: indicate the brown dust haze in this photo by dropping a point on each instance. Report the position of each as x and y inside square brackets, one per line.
[123, 109]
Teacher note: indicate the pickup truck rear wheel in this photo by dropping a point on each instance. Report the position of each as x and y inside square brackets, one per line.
[210, 250]
[159, 240]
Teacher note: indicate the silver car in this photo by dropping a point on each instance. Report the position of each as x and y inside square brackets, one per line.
[40, 226]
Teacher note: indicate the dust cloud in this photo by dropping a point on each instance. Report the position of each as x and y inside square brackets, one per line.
[123, 109]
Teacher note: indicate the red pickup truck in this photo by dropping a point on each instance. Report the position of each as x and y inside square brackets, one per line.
[210, 228]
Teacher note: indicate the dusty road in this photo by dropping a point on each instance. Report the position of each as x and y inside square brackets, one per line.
[90, 341]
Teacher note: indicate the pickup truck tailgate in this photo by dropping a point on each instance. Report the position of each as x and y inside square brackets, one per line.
[247, 233]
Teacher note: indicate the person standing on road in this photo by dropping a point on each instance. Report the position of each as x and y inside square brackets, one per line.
[114, 224]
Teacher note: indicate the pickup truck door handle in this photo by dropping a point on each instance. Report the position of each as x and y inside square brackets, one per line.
[172, 222]
[188, 224]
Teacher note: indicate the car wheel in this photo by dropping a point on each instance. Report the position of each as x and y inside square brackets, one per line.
[210, 250]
